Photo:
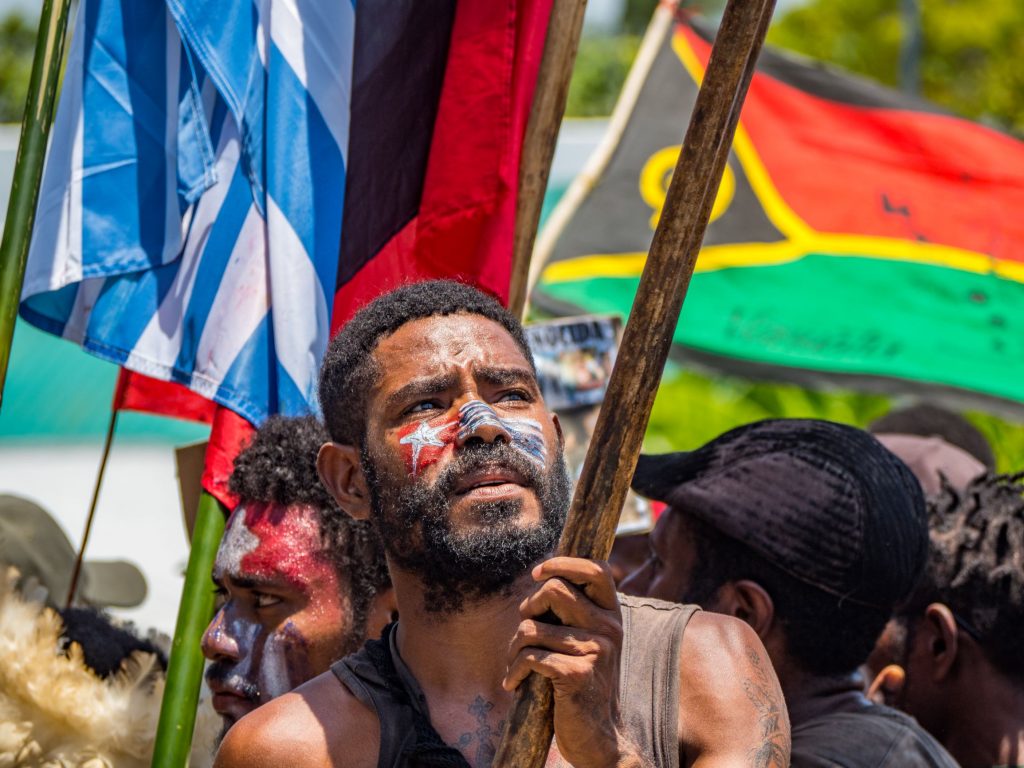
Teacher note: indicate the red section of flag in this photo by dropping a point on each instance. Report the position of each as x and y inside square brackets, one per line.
[136, 392]
[229, 434]
[906, 173]
[467, 211]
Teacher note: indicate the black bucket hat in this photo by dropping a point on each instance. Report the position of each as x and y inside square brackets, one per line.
[824, 502]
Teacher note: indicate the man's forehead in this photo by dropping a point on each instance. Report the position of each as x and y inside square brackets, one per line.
[433, 345]
[265, 540]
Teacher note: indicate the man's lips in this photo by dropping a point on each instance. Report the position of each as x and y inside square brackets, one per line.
[230, 700]
[494, 478]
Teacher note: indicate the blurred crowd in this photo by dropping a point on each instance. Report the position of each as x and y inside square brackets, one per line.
[810, 594]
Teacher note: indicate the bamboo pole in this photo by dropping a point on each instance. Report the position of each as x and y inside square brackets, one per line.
[80, 557]
[185, 670]
[28, 168]
[549, 97]
[611, 457]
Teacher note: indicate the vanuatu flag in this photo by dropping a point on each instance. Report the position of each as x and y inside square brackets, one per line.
[856, 231]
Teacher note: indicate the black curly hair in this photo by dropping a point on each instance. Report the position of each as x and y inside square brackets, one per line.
[279, 466]
[349, 371]
[976, 565]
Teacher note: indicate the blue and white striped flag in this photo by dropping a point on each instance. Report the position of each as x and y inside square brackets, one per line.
[190, 215]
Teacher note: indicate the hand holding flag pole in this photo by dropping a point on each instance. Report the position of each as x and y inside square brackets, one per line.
[28, 168]
[615, 445]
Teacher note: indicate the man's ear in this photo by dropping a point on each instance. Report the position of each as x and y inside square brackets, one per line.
[383, 610]
[941, 639]
[341, 472]
[747, 600]
[558, 429]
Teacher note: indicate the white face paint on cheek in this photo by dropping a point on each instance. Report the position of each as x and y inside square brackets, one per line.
[238, 542]
[284, 664]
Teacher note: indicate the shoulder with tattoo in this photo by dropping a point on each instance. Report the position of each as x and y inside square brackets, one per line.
[731, 707]
[319, 724]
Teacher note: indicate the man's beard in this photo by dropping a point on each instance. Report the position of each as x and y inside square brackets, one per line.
[454, 567]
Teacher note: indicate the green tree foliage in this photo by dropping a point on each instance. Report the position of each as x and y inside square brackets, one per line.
[971, 49]
[693, 408]
[17, 42]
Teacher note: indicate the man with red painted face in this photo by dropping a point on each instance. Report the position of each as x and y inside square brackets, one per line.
[441, 438]
[300, 583]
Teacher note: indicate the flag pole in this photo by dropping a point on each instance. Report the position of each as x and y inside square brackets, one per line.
[549, 97]
[107, 443]
[185, 667]
[615, 445]
[28, 168]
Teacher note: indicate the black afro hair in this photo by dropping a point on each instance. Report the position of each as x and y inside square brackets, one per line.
[348, 372]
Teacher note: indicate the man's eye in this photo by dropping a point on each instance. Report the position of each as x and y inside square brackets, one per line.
[264, 600]
[514, 395]
[426, 405]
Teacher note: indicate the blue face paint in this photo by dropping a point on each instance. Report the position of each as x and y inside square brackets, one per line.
[525, 435]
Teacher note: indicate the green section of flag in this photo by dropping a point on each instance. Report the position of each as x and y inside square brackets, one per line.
[846, 314]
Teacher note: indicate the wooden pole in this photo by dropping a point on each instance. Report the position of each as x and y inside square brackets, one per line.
[661, 24]
[549, 97]
[28, 168]
[611, 457]
[185, 668]
[73, 586]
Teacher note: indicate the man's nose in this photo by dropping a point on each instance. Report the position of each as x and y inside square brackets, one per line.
[218, 643]
[479, 423]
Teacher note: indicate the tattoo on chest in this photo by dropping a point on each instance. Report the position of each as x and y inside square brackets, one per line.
[480, 745]
[766, 697]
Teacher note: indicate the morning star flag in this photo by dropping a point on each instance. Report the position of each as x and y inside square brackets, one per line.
[856, 232]
[191, 206]
[229, 181]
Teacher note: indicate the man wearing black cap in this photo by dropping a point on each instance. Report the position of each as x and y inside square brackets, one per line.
[811, 532]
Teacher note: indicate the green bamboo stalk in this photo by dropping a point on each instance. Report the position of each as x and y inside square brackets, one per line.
[185, 671]
[28, 168]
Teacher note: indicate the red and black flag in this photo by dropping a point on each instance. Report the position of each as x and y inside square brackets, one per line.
[856, 232]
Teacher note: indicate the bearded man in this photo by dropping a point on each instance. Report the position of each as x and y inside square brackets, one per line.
[299, 583]
[441, 438]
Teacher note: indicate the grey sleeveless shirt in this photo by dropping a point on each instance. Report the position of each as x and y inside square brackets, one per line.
[648, 691]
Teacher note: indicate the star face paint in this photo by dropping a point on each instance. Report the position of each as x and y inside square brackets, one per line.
[425, 442]
[284, 618]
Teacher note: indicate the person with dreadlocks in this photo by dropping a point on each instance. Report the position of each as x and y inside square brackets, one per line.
[301, 584]
[955, 646]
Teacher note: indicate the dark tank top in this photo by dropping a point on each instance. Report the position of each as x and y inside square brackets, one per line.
[648, 691]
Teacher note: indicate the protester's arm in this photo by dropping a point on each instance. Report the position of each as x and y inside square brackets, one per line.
[580, 657]
[731, 709]
[318, 724]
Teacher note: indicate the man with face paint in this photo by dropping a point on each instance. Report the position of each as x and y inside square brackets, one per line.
[301, 584]
[441, 438]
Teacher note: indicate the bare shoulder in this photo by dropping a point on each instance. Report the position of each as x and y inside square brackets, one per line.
[319, 724]
[731, 708]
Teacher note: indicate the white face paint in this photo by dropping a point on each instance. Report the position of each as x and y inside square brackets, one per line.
[238, 541]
